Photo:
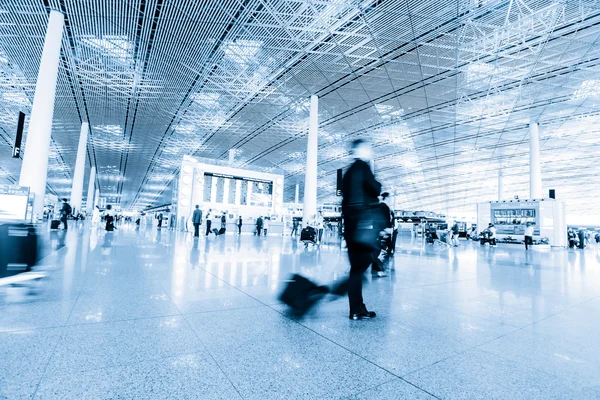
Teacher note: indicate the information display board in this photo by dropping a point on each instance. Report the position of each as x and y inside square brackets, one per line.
[512, 218]
[225, 189]
[13, 202]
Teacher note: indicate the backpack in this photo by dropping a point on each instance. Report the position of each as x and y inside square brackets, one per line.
[68, 209]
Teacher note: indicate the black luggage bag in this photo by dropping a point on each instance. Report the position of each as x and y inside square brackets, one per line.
[54, 224]
[218, 232]
[308, 234]
[301, 294]
[18, 248]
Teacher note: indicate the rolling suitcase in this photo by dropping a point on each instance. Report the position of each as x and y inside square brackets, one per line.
[300, 294]
[54, 224]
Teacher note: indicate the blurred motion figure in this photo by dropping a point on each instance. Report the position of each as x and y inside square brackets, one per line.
[360, 193]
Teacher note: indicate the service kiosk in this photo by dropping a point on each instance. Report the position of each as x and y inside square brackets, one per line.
[233, 191]
[510, 218]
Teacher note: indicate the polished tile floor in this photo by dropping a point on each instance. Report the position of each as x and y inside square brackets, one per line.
[159, 315]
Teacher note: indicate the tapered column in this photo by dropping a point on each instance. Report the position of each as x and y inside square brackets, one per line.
[297, 198]
[77, 187]
[535, 168]
[34, 169]
[310, 181]
[89, 203]
[500, 184]
[96, 197]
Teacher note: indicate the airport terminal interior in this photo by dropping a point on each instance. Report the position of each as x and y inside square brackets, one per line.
[194, 193]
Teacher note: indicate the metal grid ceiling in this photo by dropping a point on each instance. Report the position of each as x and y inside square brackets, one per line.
[445, 90]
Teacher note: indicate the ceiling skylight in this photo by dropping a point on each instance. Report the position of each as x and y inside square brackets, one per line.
[208, 100]
[588, 89]
[16, 98]
[241, 52]
[116, 47]
[109, 129]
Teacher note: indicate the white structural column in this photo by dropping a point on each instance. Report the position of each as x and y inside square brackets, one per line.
[310, 181]
[34, 170]
[535, 168]
[297, 198]
[500, 184]
[78, 174]
[89, 203]
[96, 197]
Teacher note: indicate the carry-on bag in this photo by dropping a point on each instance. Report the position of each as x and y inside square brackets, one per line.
[308, 234]
[54, 224]
[300, 294]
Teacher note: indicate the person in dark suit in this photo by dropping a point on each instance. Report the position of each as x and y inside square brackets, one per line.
[259, 225]
[360, 193]
[197, 220]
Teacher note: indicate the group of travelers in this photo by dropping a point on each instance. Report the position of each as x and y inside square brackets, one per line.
[197, 221]
[261, 225]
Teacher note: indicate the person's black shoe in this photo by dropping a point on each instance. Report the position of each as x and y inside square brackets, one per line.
[363, 314]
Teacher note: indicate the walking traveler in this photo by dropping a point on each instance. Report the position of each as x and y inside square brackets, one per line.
[239, 225]
[95, 217]
[492, 230]
[65, 211]
[295, 225]
[160, 220]
[455, 232]
[109, 218]
[259, 225]
[208, 222]
[266, 226]
[197, 220]
[360, 193]
[223, 222]
[528, 236]
[319, 225]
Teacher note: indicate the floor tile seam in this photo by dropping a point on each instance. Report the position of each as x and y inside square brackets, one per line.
[352, 352]
[551, 375]
[212, 356]
[95, 323]
[477, 316]
[461, 352]
[560, 312]
[436, 284]
[127, 364]
[59, 338]
[390, 381]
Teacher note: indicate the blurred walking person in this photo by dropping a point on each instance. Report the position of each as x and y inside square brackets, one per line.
[95, 217]
[528, 236]
[239, 225]
[360, 193]
[197, 220]
[109, 218]
[259, 225]
[295, 225]
[65, 211]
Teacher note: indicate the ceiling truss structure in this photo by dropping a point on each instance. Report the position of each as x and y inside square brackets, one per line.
[446, 91]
